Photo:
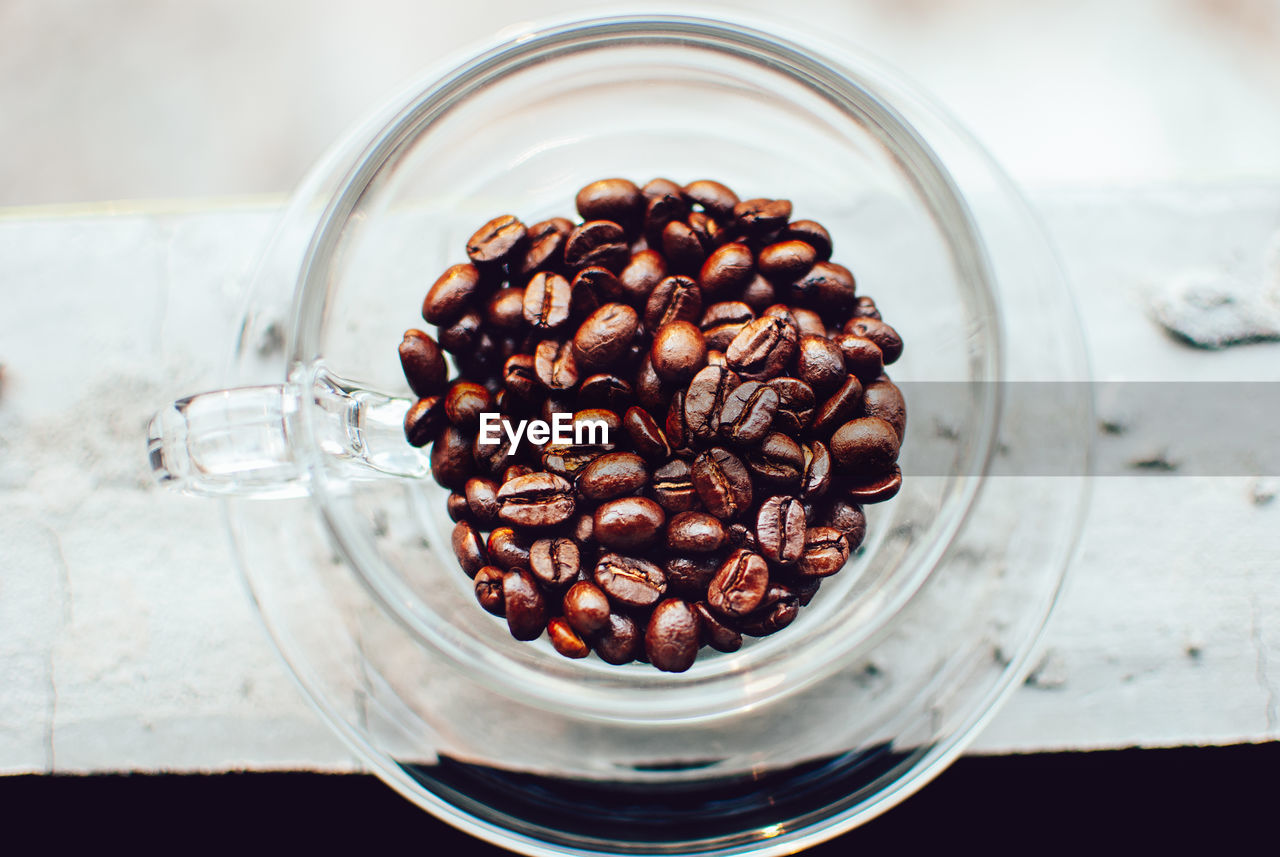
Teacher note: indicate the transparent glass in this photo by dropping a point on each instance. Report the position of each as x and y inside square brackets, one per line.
[794, 738]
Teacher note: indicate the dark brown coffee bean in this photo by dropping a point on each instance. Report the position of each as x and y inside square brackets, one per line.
[723, 321]
[846, 517]
[780, 528]
[536, 500]
[605, 335]
[742, 536]
[727, 271]
[659, 188]
[555, 562]
[651, 391]
[586, 608]
[682, 248]
[828, 288]
[628, 523]
[482, 500]
[695, 532]
[672, 638]
[423, 364]
[554, 365]
[722, 482]
[449, 296]
[424, 420]
[597, 243]
[546, 301]
[840, 407]
[747, 413]
[497, 241]
[709, 232]
[676, 298]
[565, 640]
[463, 334]
[524, 604]
[876, 489]
[817, 471]
[597, 427]
[613, 475]
[881, 334]
[664, 206]
[640, 277]
[630, 581]
[488, 588]
[715, 199]
[763, 349]
[504, 311]
[825, 552]
[688, 576]
[809, 323]
[865, 447]
[706, 396]
[468, 547]
[812, 233]
[619, 642]
[795, 405]
[602, 283]
[514, 471]
[777, 610]
[786, 261]
[762, 218]
[883, 399]
[866, 308]
[673, 487]
[806, 589]
[456, 506]
[606, 391]
[465, 402]
[820, 364]
[778, 462]
[493, 458]
[647, 438]
[739, 586]
[451, 459]
[508, 549]
[759, 293]
[715, 633]
[520, 377]
[862, 357]
[679, 435]
[678, 351]
[618, 200]
[717, 358]
[545, 246]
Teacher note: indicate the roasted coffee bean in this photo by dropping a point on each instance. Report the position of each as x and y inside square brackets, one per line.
[597, 427]
[508, 549]
[555, 562]
[795, 405]
[825, 552]
[883, 399]
[877, 489]
[665, 205]
[597, 243]
[424, 420]
[777, 610]
[630, 581]
[695, 532]
[722, 482]
[451, 460]
[468, 548]
[545, 246]
[763, 349]
[554, 365]
[647, 438]
[828, 288]
[808, 322]
[862, 357]
[520, 377]
[676, 298]
[524, 604]
[546, 301]
[742, 536]
[659, 188]
[423, 364]
[840, 406]
[514, 471]
[709, 233]
[618, 200]
[689, 576]
[605, 391]
[482, 499]
[672, 638]
[780, 527]
[866, 308]
[778, 462]
[641, 276]
[739, 586]
[715, 633]
[628, 523]
[682, 247]
[817, 471]
[493, 458]
[679, 435]
[504, 311]
[716, 358]
[812, 233]
[465, 402]
[615, 474]
[715, 199]
[806, 589]
[786, 261]
[568, 461]
[759, 293]
[497, 241]
[586, 608]
[727, 271]
[846, 517]
[866, 447]
[820, 364]
[450, 295]
[620, 640]
[673, 487]
[536, 500]
[488, 588]
[565, 640]
[456, 506]
[881, 334]
[651, 391]
[723, 321]
[597, 281]
[678, 351]
[747, 413]
[463, 334]
[762, 218]
[706, 396]
[605, 335]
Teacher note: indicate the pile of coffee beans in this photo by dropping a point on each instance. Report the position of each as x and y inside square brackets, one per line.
[738, 377]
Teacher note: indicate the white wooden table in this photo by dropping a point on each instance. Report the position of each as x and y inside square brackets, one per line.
[127, 641]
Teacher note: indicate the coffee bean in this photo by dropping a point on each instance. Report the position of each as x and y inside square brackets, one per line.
[865, 447]
[881, 334]
[827, 287]
[840, 407]
[504, 310]
[619, 642]
[659, 188]
[820, 364]
[715, 633]
[450, 295]
[728, 270]
[723, 321]
[812, 233]
[555, 562]
[462, 336]
[615, 474]
[451, 460]
[604, 434]
[742, 536]
[786, 261]
[546, 301]
[676, 298]
[524, 604]
[673, 488]
[866, 308]
[465, 402]
[628, 523]
[722, 482]
[825, 552]
[423, 364]
[664, 206]
[497, 241]
[601, 283]
[777, 610]
[424, 420]
[747, 413]
[808, 322]
[545, 246]
[689, 576]
[493, 458]
[651, 391]
[629, 581]
[695, 532]
[605, 335]
[640, 277]
[762, 218]
[883, 399]
[795, 405]
[778, 462]
[554, 365]
[709, 232]
[816, 479]
[739, 586]
[597, 243]
[679, 435]
[520, 377]
[877, 489]
[862, 357]
[678, 351]
[565, 640]
[488, 588]
[707, 394]
[586, 608]
[682, 247]
[759, 293]
[846, 517]
[467, 547]
[618, 200]
[482, 500]
[715, 198]
[508, 549]
[672, 638]
[763, 348]
[647, 438]
[536, 500]
[780, 528]
[514, 471]
[456, 506]
[606, 391]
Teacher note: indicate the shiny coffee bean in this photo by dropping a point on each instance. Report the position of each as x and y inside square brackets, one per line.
[615, 474]
[651, 391]
[508, 549]
[673, 488]
[865, 447]
[806, 589]
[555, 562]
[423, 364]
[605, 391]
[706, 396]
[586, 608]
[514, 471]
[727, 271]
[545, 246]
[812, 233]
[778, 462]
[664, 206]
[846, 517]
[825, 552]
[723, 482]
[747, 413]
[524, 605]
[777, 610]
[682, 248]
[679, 435]
[554, 365]
[493, 458]
[482, 500]
[786, 261]
[536, 500]
[827, 287]
[672, 637]
[876, 489]
[881, 334]
[465, 402]
[497, 241]
[689, 576]
[605, 335]
[451, 460]
[546, 301]
[840, 406]
[714, 198]
[816, 479]
[759, 293]
[488, 588]
[678, 351]
[763, 349]
[629, 581]
[762, 218]
[820, 364]
[715, 633]
[565, 640]
[618, 200]
[695, 532]
[780, 529]
[520, 377]
[641, 277]
[424, 420]
[723, 321]
[628, 523]
[456, 506]
[599, 282]
[808, 322]
[468, 548]
[647, 438]
[862, 357]
[504, 311]
[619, 642]
[739, 586]
[597, 243]
[883, 399]
[675, 298]
[450, 295]
[795, 405]
[866, 308]
[463, 335]
[742, 536]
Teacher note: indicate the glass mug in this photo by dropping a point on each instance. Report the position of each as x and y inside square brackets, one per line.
[879, 682]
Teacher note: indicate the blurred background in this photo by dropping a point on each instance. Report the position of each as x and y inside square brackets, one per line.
[146, 99]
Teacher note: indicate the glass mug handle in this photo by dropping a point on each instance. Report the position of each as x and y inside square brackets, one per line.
[240, 442]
